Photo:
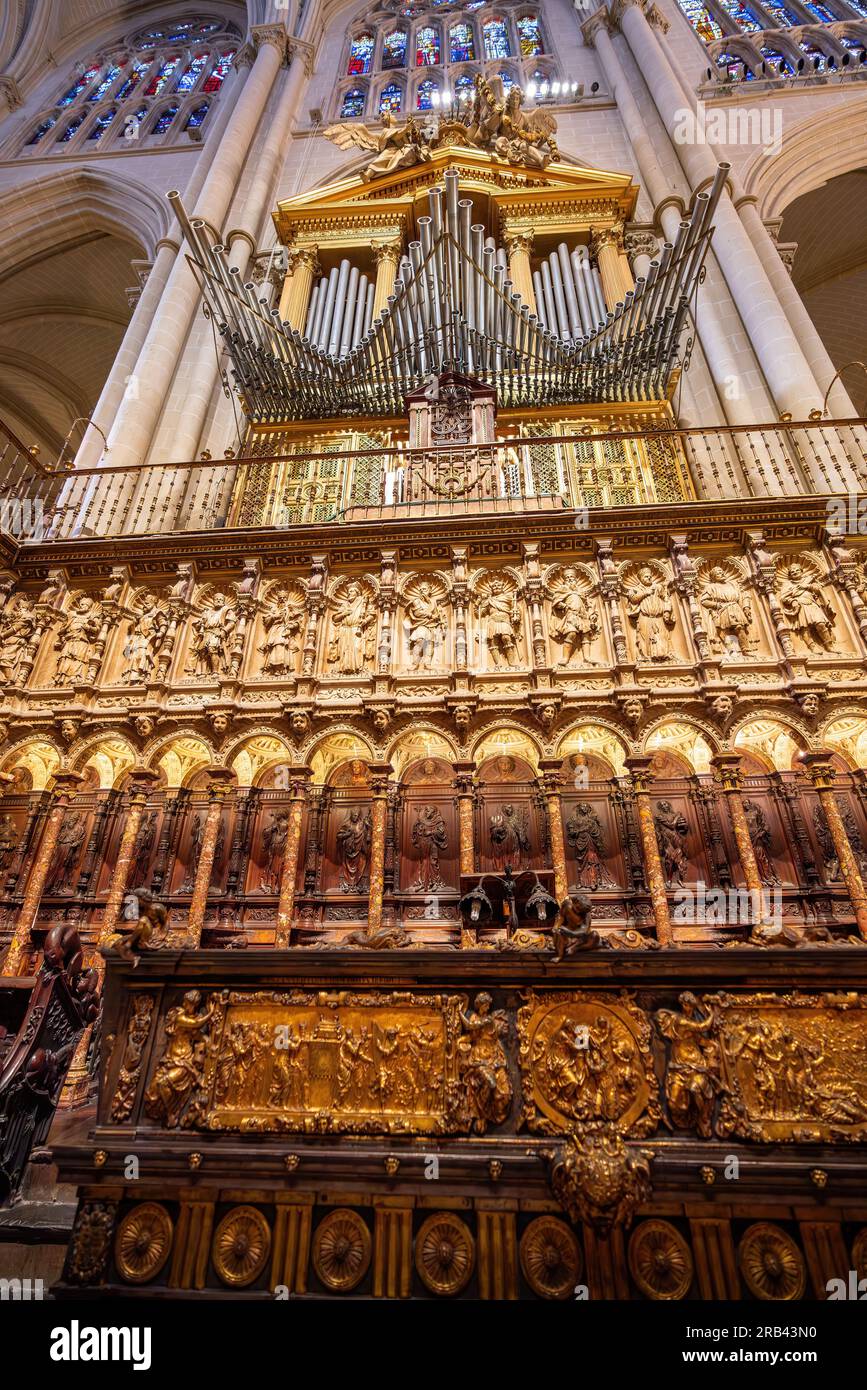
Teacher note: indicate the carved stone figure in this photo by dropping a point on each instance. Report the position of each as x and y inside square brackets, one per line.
[760, 839]
[274, 846]
[144, 641]
[353, 850]
[651, 610]
[577, 621]
[509, 836]
[133, 1053]
[77, 641]
[144, 843]
[425, 624]
[693, 1077]
[197, 831]
[497, 602]
[596, 1178]
[808, 609]
[671, 832]
[584, 833]
[354, 629]
[212, 645]
[728, 613]
[20, 631]
[430, 838]
[69, 841]
[483, 1066]
[180, 1068]
[282, 621]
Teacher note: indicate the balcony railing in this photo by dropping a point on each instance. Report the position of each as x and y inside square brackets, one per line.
[609, 468]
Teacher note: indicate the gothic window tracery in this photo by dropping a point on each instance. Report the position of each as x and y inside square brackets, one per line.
[427, 47]
[394, 49]
[353, 103]
[461, 43]
[715, 20]
[181, 61]
[361, 55]
[391, 99]
[496, 37]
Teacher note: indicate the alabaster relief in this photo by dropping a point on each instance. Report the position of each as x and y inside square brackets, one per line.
[424, 623]
[575, 623]
[808, 607]
[352, 621]
[499, 640]
[650, 608]
[729, 610]
[279, 629]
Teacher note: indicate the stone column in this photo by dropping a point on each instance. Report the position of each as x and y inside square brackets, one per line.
[65, 784]
[551, 770]
[639, 771]
[142, 782]
[607, 247]
[221, 780]
[379, 775]
[136, 420]
[298, 287]
[464, 785]
[300, 776]
[518, 247]
[386, 255]
[727, 767]
[821, 772]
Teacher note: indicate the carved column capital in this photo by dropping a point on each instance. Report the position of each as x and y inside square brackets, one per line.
[640, 769]
[220, 782]
[273, 34]
[727, 767]
[819, 768]
[601, 20]
[388, 251]
[143, 781]
[517, 241]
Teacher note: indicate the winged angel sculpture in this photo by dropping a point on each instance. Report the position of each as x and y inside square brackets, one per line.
[395, 147]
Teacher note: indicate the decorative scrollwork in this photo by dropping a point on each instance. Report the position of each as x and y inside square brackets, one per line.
[242, 1242]
[341, 1250]
[660, 1261]
[771, 1263]
[143, 1242]
[445, 1253]
[550, 1258]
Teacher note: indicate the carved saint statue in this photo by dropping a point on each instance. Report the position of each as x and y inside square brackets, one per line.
[282, 622]
[8, 842]
[180, 1068]
[66, 852]
[585, 835]
[353, 850]
[760, 839]
[671, 832]
[509, 837]
[426, 626]
[197, 832]
[577, 620]
[651, 611]
[430, 838]
[144, 641]
[144, 843]
[20, 630]
[729, 614]
[354, 622]
[692, 1077]
[213, 649]
[274, 840]
[498, 610]
[808, 609]
[483, 1067]
[76, 643]
[826, 841]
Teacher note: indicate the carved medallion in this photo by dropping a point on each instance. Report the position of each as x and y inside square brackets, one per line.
[445, 1253]
[341, 1250]
[771, 1263]
[90, 1243]
[550, 1258]
[143, 1242]
[586, 1057]
[241, 1245]
[660, 1261]
[598, 1179]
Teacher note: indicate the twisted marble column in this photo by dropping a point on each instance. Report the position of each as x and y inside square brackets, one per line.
[300, 777]
[379, 775]
[142, 782]
[641, 775]
[551, 770]
[65, 784]
[220, 782]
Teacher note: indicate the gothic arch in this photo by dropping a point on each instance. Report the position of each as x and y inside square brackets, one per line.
[814, 151]
[689, 740]
[39, 757]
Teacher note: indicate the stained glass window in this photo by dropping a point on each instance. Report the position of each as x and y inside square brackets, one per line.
[151, 39]
[138, 72]
[464, 86]
[217, 76]
[427, 47]
[701, 20]
[42, 129]
[390, 99]
[812, 52]
[101, 124]
[825, 15]
[858, 5]
[426, 92]
[733, 64]
[475, 5]
[462, 48]
[71, 128]
[353, 104]
[197, 116]
[496, 40]
[783, 16]
[110, 76]
[360, 55]
[80, 86]
[192, 72]
[529, 36]
[161, 77]
[507, 80]
[394, 49]
[779, 60]
[165, 119]
[744, 18]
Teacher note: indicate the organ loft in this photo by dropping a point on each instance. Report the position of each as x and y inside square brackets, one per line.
[434, 703]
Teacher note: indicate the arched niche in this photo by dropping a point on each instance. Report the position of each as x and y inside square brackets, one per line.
[507, 742]
[259, 755]
[848, 736]
[427, 841]
[595, 745]
[182, 759]
[414, 748]
[773, 741]
[511, 825]
[689, 748]
[38, 762]
[109, 762]
[335, 749]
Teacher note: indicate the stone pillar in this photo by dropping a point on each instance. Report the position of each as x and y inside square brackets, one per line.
[300, 776]
[727, 767]
[464, 785]
[298, 287]
[221, 780]
[518, 247]
[821, 772]
[551, 770]
[142, 782]
[639, 771]
[386, 255]
[379, 775]
[607, 247]
[65, 784]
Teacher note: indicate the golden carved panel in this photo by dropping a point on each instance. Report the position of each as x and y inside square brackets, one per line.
[586, 1057]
